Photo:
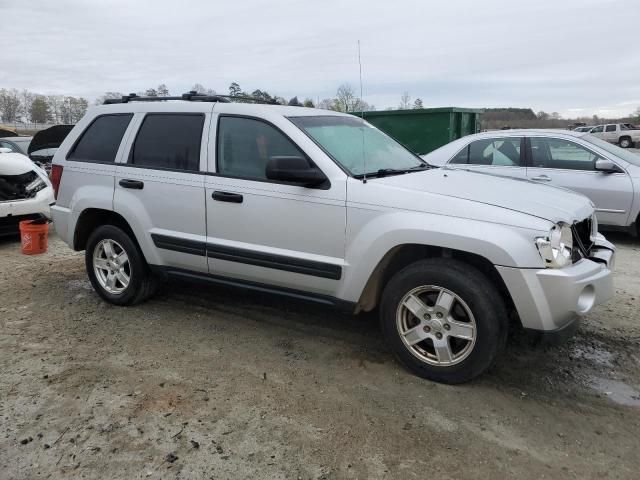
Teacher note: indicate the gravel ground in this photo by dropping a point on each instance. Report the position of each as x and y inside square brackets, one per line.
[206, 382]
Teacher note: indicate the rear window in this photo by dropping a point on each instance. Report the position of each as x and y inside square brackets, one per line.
[100, 141]
[169, 141]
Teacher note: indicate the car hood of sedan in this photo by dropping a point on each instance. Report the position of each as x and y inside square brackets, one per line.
[542, 201]
[15, 164]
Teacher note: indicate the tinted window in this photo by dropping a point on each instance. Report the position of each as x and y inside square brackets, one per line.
[170, 141]
[597, 129]
[462, 157]
[557, 153]
[610, 128]
[100, 141]
[491, 151]
[245, 146]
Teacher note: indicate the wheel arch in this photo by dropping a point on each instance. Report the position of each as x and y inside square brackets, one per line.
[91, 218]
[403, 255]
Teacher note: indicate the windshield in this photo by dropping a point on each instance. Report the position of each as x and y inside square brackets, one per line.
[23, 144]
[356, 145]
[632, 158]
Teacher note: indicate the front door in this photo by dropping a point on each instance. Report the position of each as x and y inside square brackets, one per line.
[267, 232]
[567, 164]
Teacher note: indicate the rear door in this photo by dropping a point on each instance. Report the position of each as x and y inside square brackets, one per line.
[502, 156]
[565, 163]
[159, 187]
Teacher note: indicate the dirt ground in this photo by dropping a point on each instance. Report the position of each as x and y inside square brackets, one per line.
[205, 382]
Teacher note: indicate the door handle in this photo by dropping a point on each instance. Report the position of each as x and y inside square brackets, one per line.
[135, 184]
[542, 178]
[227, 197]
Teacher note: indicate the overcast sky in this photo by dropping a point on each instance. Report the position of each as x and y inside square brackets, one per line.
[577, 57]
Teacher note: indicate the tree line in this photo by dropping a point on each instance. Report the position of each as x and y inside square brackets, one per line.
[496, 118]
[26, 106]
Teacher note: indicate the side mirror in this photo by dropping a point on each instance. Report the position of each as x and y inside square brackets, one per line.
[606, 166]
[296, 170]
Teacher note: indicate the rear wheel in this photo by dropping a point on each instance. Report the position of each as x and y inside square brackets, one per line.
[116, 267]
[625, 142]
[443, 319]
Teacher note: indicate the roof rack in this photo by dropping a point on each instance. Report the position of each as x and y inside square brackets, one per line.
[191, 96]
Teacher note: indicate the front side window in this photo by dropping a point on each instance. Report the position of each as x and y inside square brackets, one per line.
[599, 129]
[610, 128]
[563, 154]
[245, 146]
[356, 145]
[501, 152]
[169, 141]
[101, 140]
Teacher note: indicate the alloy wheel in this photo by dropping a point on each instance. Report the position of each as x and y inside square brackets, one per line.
[436, 325]
[111, 266]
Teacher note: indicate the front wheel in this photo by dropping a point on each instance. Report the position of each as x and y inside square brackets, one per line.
[443, 319]
[116, 268]
[625, 142]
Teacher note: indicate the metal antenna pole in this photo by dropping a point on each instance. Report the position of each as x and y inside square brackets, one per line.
[364, 156]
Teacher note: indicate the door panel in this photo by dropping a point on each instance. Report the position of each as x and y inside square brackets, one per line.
[570, 165]
[170, 207]
[160, 188]
[269, 232]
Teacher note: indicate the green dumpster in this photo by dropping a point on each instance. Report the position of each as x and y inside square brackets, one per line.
[423, 130]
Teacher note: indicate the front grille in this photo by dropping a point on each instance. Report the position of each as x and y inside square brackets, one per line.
[582, 233]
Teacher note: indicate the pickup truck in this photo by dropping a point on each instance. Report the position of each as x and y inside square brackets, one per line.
[623, 134]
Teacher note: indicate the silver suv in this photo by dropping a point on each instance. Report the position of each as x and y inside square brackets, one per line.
[322, 206]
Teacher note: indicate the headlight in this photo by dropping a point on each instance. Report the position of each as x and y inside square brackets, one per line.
[557, 248]
[35, 186]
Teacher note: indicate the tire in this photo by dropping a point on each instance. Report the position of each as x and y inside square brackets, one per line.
[477, 312]
[141, 283]
[625, 142]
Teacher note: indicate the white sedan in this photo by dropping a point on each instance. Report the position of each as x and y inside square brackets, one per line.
[25, 191]
[607, 174]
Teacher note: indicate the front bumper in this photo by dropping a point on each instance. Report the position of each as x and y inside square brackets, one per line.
[30, 208]
[551, 299]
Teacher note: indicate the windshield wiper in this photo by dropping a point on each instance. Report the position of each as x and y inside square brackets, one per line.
[384, 172]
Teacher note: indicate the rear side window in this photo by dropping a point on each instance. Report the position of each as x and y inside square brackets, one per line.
[491, 151]
[610, 128]
[101, 140]
[169, 141]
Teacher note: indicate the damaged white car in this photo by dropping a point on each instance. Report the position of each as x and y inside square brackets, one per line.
[25, 191]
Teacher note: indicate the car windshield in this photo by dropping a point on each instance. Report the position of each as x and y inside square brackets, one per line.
[626, 155]
[357, 146]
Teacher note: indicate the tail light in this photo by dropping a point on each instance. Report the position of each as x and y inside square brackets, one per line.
[56, 176]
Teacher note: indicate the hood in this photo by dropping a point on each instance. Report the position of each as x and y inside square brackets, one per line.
[51, 137]
[15, 164]
[543, 201]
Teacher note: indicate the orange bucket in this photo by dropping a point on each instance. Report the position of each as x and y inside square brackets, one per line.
[34, 237]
